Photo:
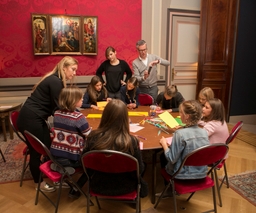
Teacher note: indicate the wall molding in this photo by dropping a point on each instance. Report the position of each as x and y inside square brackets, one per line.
[13, 90]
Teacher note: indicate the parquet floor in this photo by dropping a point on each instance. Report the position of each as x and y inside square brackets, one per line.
[241, 159]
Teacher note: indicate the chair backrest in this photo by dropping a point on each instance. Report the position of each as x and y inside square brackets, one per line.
[234, 132]
[145, 99]
[36, 144]
[41, 148]
[207, 155]
[13, 121]
[110, 161]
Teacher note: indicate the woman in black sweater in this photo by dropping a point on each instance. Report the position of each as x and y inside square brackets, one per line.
[114, 69]
[42, 104]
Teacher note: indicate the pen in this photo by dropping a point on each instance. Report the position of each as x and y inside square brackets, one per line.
[141, 137]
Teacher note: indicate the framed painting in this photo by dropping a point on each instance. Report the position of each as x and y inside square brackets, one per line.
[40, 34]
[65, 31]
[90, 35]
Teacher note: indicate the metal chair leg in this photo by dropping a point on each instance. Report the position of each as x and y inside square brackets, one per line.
[226, 175]
[217, 186]
[2, 155]
[24, 168]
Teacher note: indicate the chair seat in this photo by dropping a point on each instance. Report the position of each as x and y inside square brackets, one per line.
[52, 175]
[129, 196]
[190, 185]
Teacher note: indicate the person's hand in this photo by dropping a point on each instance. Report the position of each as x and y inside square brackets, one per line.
[94, 107]
[163, 143]
[109, 99]
[158, 108]
[131, 106]
[146, 74]
[169, 110]
[152, 63]
[123, 83]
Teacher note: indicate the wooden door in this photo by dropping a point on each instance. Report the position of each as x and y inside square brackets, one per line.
[216, 47]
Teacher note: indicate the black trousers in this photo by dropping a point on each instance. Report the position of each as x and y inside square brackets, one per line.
[37, 126]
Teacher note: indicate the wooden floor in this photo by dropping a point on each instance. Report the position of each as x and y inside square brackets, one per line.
[241, 159]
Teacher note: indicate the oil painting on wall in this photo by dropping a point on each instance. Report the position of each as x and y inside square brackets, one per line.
[65, 32]
[90, 35]
[40, 34]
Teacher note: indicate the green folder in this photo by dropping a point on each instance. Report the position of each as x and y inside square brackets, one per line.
[179, 121]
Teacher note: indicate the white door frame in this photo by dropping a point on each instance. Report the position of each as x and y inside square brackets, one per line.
[182, 50]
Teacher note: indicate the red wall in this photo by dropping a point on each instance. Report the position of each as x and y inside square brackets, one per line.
[119, 25]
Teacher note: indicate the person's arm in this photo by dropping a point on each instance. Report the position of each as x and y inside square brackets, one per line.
[123, 95]
[178, 100]
[100, 71]
[55, 85]
[83, 125]
[138, 73]
[127, 70]
[137, 154]
[86, 99]
[163, 62]
[159, 98]
[210, 127]
[137, 97]
[173, 153]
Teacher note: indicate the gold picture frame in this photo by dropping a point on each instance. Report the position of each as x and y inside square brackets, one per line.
[90, 35]
[40, 34]
[65, 34]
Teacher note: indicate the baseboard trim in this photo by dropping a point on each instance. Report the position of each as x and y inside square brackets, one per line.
[247, 119]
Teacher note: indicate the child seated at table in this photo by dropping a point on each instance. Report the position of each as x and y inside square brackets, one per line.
[113, 133]
[70, 130]
[205, 94]
[95, 92]
[213, 121]
[184, 141]
[170, 99]
[130, 93]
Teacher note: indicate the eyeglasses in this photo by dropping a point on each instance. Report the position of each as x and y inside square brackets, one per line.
[142, 50]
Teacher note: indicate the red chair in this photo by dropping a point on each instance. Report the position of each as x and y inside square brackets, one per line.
[203, 156]
[13, 121]
[145, 99]
[231, 137]
[109, 161]
[45, 168]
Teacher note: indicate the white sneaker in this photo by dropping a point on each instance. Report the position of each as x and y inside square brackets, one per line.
[45, 187]
[64, 185]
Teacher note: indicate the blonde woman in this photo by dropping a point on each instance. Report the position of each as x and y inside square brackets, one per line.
[41, 104]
